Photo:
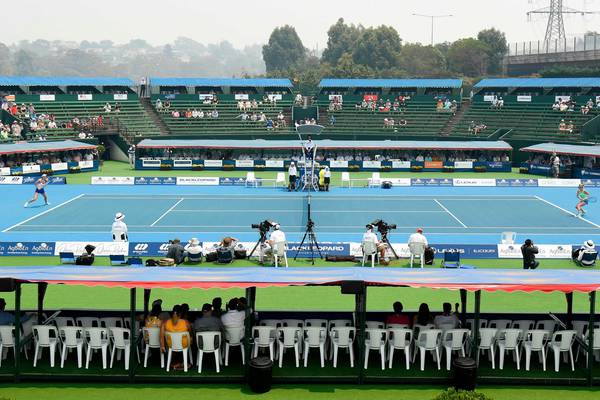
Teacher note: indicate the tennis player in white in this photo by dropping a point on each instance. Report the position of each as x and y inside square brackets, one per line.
[40, 184]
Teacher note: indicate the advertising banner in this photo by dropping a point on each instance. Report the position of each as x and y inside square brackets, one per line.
[244, 163]
[463, 164]
[27, 249]
[11, 180]
[274, 163]
[182, 163]
[213, 163]
[372, 164]
[113, 180]
[401, 164]
[63, 166]
[473, 182]
[84, 97]
[545, 251]
[102, 248]
[120, 96]
[47, 97]
[151, 163]
[197, 181]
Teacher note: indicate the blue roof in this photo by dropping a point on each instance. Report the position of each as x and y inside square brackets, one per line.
[392, 83]
[42, 147]
[329, 144]
[539, 82]
[569, 149]
[220, 82]
[63, 81]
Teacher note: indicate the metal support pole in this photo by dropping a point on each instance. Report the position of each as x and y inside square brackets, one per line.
[17, 332]
[133, 337]
[590, 366]
[463, 307]
[147, 293]
[361, 318]
[476, 325]
[248, 324]
[569, 322]
[41, 286]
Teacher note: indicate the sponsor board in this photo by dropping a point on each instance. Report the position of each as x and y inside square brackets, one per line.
[489, 97]
[84, 97]
[102, 248]
[516, 182]
[244, 163]
[182, 163]
[430, 182]
[120, 96]
[338, 164]
[113, 180]
[63, 166]
[337, 97]
[276, 97]
[27, 249]
[463, 164]
[151, 163]
[274, 163]
[495, 165]
[155, 180]
[213, 163]
[11, 180]
[239, 96]
[473, 182]
[372, 164]
[333, 249]
[5, 171]
[559, 182]
[197, 181]
[31, 169]
[232, 181]
[545, 251]
[525, 99]
[562, 98]
[401, 164]
[591, 182]
[52, 180]
[148, 249]
[47, 97]
[397, 181]
[86, 164]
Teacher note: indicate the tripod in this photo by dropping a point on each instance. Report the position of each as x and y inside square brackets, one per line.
[260, 242]
[312, 239]
[384, 239]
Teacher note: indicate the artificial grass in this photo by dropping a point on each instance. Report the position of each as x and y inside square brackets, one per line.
[116, 168]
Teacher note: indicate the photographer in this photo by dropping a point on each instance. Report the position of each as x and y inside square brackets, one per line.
[277, 236]
[176, 252]
[370, 236]
[528, 250]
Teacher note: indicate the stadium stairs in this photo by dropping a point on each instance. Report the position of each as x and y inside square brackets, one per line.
[154, 116]
[451, 124]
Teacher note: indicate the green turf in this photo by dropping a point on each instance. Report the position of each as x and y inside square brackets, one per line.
[287, 392]
[115, 168]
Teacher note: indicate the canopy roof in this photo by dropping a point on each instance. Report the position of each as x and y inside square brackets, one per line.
[326, 144]
[43, 147]
[391, 83]
[538, 82]
[220, 82]
[63, 81]
[568, 149]
[186, 278]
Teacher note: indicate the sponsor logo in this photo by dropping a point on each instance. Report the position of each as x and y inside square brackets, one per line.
[141, 247]
[11, 180]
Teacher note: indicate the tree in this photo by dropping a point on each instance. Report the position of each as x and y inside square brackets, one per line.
[378, 48]
[419, 60]
[284, 50]
[5, 64]
[341, 39]
[347, 68]
[468, 57]
[24, 64]
[497, 48]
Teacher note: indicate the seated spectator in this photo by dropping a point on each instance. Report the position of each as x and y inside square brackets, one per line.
[208, 322]
[153, 320]
[107, 108]
[418, 237]
[423, 316]
[193, 249]
[228, 243]
[397, 317]
[217, 304]
[588, 247]
[173, 325]
[176, 251]
[159, 104]
[6, 318]
[214, 114]
[447, 320]
[235, 316]
[370, 236]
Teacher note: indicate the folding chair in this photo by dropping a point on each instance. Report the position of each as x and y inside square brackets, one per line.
[66, 257]
[451, 259]
[117, 260]
[251, 179]
[375, 179]
[508, 238]
[346, 178]
[280, 179]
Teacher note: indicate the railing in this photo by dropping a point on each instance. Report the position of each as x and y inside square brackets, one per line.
[586, 43]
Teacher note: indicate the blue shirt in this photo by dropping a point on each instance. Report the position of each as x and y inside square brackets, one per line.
[6, 318]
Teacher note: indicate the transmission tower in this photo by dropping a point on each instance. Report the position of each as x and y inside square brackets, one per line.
[555, 30]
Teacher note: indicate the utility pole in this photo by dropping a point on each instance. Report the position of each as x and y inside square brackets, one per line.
[555, 29]
[433, 18]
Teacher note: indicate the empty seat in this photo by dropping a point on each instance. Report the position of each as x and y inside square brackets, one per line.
[342, 337]
[399, 339]
[208, 342]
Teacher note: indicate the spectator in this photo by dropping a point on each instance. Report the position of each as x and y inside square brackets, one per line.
[6, 318]
[447, 320]
[423, 316]
[107, 108]
[176, 252]
[370, 236]
[173, 325]
[529, 250]
[327, 179]
[277, 236]
[228, 243]
[208, 322]
[234, 317]
[588, 247]
[418, 237]
[214, 114]
[193, 248]
[159, 104]
[131, 155]
[397, 317]
[16, 129]
[217, 304]
[153, 320]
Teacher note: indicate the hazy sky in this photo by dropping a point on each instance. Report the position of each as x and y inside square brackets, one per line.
[250, 22]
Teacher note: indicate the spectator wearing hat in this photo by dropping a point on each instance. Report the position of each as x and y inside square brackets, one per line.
[588, 247]
[418, 237]
[208, 322]
[293, 176]
[119, 228]
[194, 250]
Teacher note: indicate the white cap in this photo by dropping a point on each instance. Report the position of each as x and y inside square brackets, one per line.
[276, 227]
[44, 176]
[194, 241]
[119, 216]
[590, 244]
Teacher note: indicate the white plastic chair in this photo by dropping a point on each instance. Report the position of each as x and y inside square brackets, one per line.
[397, 326]
[176, 339]
[97, 339]
[376, 339]
[233, 338]
[273, 323]
[323, 323]
[342, 337]
[64, 321]
[375, 179]
[417, 250]
[596, 347]
[152, 341]
[428, 340]
[454, 340]
[369, 249]
[121, 341]
[346, 178]
[251, 179]
[487, 341]
[314, 336]
[279, 251]
[535, 340]
[7, 340]
[119, 234]
[525, 325]
[264, 337]
[280, 179]
[71, 338]
[208, 342]
[562, 342]
[375, 325]
[292, 323]
[399, 339]
[508, 340]
[508, 238]
[483, 323]
[549, 325]
[499, 324]
[287, 338]
[111, 322]
[88, 322]
[45, 336]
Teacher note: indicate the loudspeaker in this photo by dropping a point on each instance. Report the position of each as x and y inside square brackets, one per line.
[353, 287]
[7, 285]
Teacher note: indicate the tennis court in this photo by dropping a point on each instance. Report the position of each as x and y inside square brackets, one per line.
[341, 215]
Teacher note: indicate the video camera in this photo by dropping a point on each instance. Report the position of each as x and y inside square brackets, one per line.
[264, 226]
[382, 226]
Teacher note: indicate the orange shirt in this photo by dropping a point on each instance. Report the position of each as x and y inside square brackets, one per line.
[181, 326]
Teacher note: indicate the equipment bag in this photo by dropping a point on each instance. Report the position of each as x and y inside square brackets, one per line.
[429, 256]
[211, 257]
[85, 259]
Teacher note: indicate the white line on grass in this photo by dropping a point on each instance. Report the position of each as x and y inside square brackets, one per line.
[44, 212]
[448, 211]
[567, 211]
[168, 211]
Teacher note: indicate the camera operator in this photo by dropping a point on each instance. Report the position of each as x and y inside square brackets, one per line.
[176, 252]
[370, 236]
[276, 236]
[529, 250]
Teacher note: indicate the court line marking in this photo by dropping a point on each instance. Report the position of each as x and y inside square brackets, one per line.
[43, 212]
[495, 234]
[567, 211]
[317, 198]
[318, 211]
[168, 211]
[448, 211]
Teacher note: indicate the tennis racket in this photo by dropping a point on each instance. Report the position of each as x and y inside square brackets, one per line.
[592, 199]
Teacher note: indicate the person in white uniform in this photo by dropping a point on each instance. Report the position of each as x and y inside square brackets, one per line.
[119, 229]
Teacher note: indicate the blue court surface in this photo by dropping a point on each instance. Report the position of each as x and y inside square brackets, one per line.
[463, 215]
